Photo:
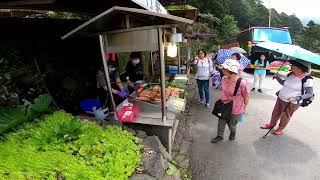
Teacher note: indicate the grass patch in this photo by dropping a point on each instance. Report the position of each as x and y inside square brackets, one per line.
[181, 7]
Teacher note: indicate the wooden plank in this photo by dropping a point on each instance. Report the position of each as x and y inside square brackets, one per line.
[174, 130]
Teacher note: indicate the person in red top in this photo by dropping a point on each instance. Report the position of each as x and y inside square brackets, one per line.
[240, 100]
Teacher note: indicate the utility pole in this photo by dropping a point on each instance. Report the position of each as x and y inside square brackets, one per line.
[269, 13]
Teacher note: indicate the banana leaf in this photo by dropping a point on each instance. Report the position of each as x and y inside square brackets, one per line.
[11, 117]
[41, 104]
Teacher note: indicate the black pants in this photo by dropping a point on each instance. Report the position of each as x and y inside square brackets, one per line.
[105, 99]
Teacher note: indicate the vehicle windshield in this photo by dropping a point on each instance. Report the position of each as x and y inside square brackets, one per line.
[273, 35]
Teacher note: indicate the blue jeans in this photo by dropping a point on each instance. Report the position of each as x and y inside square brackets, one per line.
[203, 87]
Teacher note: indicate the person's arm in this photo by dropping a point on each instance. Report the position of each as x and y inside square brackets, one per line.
[210, 66]
[308, 87]
[245, 93]
[267, 65]
[308, 94]
[195, 60]
[119, 83]
[114, 91]
[256, 65]
[130, 83]
[279, 79]
[246, 101]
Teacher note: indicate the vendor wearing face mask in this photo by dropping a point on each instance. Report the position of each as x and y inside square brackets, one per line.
[117, 89]
[134, 71]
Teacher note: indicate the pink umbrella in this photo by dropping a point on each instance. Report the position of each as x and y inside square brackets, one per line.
[279, 63]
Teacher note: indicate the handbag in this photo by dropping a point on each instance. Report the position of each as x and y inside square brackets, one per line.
[222, 110]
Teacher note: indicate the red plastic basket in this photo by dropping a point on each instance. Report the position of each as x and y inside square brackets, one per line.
[127, 114]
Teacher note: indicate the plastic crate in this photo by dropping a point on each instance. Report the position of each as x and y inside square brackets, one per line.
[173, 69]
[88, 104]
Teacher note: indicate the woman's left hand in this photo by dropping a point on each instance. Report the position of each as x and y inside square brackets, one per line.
[292, 100]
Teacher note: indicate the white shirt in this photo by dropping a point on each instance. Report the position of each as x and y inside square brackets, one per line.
[292, 87]
[204, 69]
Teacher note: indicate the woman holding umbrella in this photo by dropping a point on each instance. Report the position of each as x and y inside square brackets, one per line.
[237, 56]
[290, 96]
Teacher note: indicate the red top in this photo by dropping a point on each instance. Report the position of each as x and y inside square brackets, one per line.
[238, 100]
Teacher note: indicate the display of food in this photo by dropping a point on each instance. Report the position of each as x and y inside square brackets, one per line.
[153, 93]
[176, 104]
[146, 95]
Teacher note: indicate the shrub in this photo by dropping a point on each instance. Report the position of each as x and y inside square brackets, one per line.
[61, 145]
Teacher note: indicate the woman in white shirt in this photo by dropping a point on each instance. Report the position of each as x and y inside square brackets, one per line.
[291, 95]
[204, 69]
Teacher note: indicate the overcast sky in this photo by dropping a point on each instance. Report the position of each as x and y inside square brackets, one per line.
[304, 9]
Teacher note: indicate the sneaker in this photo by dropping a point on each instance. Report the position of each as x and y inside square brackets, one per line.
[278, 132]
[201, 102]
[266, 126]
[259, 90]
[232, 136]
[216, 139]
[253, 89]
[208, 105]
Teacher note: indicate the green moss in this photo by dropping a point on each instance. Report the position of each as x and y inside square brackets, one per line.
[180, 7]
[61, 144]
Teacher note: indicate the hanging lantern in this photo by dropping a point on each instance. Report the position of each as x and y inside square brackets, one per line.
[172, 50]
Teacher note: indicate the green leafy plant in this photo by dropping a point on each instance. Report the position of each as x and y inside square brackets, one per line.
[60, 144]
[12, 117]
[41, 104]
[171, 170]
[180, 85]
[183, 95]
[68, 130]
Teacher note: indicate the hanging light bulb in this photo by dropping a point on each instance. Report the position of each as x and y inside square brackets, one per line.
[172, 50]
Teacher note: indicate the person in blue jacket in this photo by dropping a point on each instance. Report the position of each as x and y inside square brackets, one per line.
[260, 72]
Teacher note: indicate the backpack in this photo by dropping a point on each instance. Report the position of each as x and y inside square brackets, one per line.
[305, 102]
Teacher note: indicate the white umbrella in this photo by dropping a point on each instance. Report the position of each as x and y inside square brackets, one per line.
[239, 49]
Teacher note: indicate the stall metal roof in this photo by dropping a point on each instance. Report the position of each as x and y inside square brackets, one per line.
[92, 7]
[115, 19]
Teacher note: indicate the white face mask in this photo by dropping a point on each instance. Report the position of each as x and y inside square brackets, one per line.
[112, 69]
[135, 61]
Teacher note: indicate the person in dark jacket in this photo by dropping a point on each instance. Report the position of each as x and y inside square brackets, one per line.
[134, 71]
[116, 85]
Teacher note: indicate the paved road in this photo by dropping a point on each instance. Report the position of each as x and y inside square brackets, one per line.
[292, 156]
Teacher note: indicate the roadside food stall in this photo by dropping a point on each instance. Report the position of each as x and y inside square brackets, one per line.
[122, 29]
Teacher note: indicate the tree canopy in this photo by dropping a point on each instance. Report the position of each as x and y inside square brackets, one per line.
[226, 17]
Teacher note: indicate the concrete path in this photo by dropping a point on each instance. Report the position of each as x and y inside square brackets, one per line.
[292, 156]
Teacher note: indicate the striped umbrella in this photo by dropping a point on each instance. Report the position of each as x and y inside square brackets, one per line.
[224, 54]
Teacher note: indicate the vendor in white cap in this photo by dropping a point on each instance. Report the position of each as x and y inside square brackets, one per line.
[230, 69]
[297, 86]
